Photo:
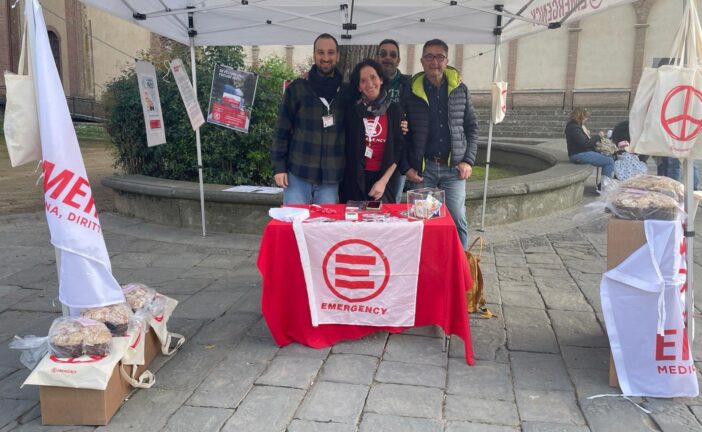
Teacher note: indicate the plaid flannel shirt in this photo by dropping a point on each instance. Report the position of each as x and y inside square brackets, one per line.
[302, 145]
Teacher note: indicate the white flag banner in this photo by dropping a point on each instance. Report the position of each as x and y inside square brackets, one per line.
[644, 312]
[361, 273]
[85, 274]
[150, 103]
[185, 87]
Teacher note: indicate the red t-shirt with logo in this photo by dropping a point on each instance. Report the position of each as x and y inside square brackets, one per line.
[376, 136]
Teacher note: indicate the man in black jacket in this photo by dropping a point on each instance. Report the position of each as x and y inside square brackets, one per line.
[441, 144]
[388, 56]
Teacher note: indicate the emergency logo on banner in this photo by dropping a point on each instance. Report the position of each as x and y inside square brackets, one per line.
[361, 274]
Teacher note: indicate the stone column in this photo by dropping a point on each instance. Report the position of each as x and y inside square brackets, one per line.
[572, 65]
[74, 44]
[10, 40]
[458, 62]
[255, 52]
[410, 60]
[289, 51]
[512, 70]
[642, 8]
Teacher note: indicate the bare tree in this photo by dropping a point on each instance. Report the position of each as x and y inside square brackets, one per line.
[350, 55]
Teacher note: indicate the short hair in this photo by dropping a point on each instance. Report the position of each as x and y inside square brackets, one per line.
[579, 114]
[389, 41]
[325, 36]
[355, 78]
[435, 42]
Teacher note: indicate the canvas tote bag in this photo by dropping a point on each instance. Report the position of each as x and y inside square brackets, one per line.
[665, 116]
[21, 124]
[475, 298]
[499, 96]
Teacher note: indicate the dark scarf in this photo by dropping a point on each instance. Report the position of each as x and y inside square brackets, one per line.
[373, 108]
[324, 86]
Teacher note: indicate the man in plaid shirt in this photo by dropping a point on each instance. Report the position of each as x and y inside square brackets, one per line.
[308, 150]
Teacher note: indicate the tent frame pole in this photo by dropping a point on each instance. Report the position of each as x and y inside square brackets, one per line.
[192, 33]
[496, 56]
[689, 233]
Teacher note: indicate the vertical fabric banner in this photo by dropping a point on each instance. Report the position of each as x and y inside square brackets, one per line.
[150, 103]
[85, 274]
[185, 87]
[232, 97]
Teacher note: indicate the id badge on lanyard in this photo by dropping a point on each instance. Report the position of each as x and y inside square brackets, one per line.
[327, 120]
[370, 133]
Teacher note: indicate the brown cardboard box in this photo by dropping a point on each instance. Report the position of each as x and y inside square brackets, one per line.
[624, 237]
[70, 406]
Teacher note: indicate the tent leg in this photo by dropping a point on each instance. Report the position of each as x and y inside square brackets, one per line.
[197, 140]
[688, 169]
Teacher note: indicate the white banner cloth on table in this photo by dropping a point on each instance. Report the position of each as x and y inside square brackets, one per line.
[361, 273]
[643, 307]
[85, 274]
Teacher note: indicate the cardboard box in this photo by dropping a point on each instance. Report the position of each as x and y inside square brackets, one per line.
[86, 407]
[624, 237]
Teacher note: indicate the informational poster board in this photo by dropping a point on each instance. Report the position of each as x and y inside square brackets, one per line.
[187, 94]
[151, 103]
[232, 98]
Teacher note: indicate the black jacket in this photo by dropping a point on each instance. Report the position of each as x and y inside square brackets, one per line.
[577, 139]
[462, 122]
[354, 183]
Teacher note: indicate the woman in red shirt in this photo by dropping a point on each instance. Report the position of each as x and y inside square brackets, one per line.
[373, 138]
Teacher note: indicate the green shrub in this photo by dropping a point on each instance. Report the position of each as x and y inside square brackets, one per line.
[228, 157]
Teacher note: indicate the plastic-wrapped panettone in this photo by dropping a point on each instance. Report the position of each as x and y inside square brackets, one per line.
[116, 317]
[74, 337]
[660, 184]
[640, 205]
[138, 295]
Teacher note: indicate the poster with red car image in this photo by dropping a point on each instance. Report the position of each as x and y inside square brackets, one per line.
[232, 98]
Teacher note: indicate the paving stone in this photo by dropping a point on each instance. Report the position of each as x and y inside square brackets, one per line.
[10, 386]
[471, 408]
[334, 402]
[183, 285]
[151, 276]
[39, 276]
[406, 401]
[697, 411]
[551, 273]
[189, 367]
[6, 371]
[591, 382]
[391, 372]
[147, 410]
[522, 299]
[349, 368]
[556, 284]
[221, 261]
[268, 409]
[460, 426]
[529, 330]
[428, 331]
[39, 301]
[260, 330]
[12, 294]
[578, 329]
[253, 350]
[569, 300]
[311, 426]
[180, 260]
[250, 301]
[539, 244]
[131, 260]
[10, 409]
[585, 358]
[23, 323]
[518, 274]
[205, 305]
[537, 371]
[552, 427]
[543, 258]
[298, 350]
[615, 415]
[510, 261]
[489, 380]
[386, 423]
[226, 330]
[672, 416]
[227, 385]
[510, 285]
[544, 406]
[189, 418]
[595, 266]
[415, 349]
[294, 372]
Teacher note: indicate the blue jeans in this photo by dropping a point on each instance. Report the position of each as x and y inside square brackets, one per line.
[446, 178]
[670, 167]
[399, 186]
[300, 191]
[596, 159]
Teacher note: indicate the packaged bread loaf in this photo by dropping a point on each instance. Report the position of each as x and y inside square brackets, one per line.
[660, 184]
[636, 204]
[116, 317]
[75, 337]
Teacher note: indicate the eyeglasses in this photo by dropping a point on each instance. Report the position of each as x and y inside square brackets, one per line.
[391, 54]
[431, 57]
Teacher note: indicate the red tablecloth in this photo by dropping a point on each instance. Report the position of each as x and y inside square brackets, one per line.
[443, 280]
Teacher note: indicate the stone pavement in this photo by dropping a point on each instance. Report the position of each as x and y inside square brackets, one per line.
[535, 365]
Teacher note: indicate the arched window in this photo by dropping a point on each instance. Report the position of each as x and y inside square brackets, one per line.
[55, 44]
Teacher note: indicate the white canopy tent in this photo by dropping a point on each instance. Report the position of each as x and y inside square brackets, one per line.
[298, 22]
